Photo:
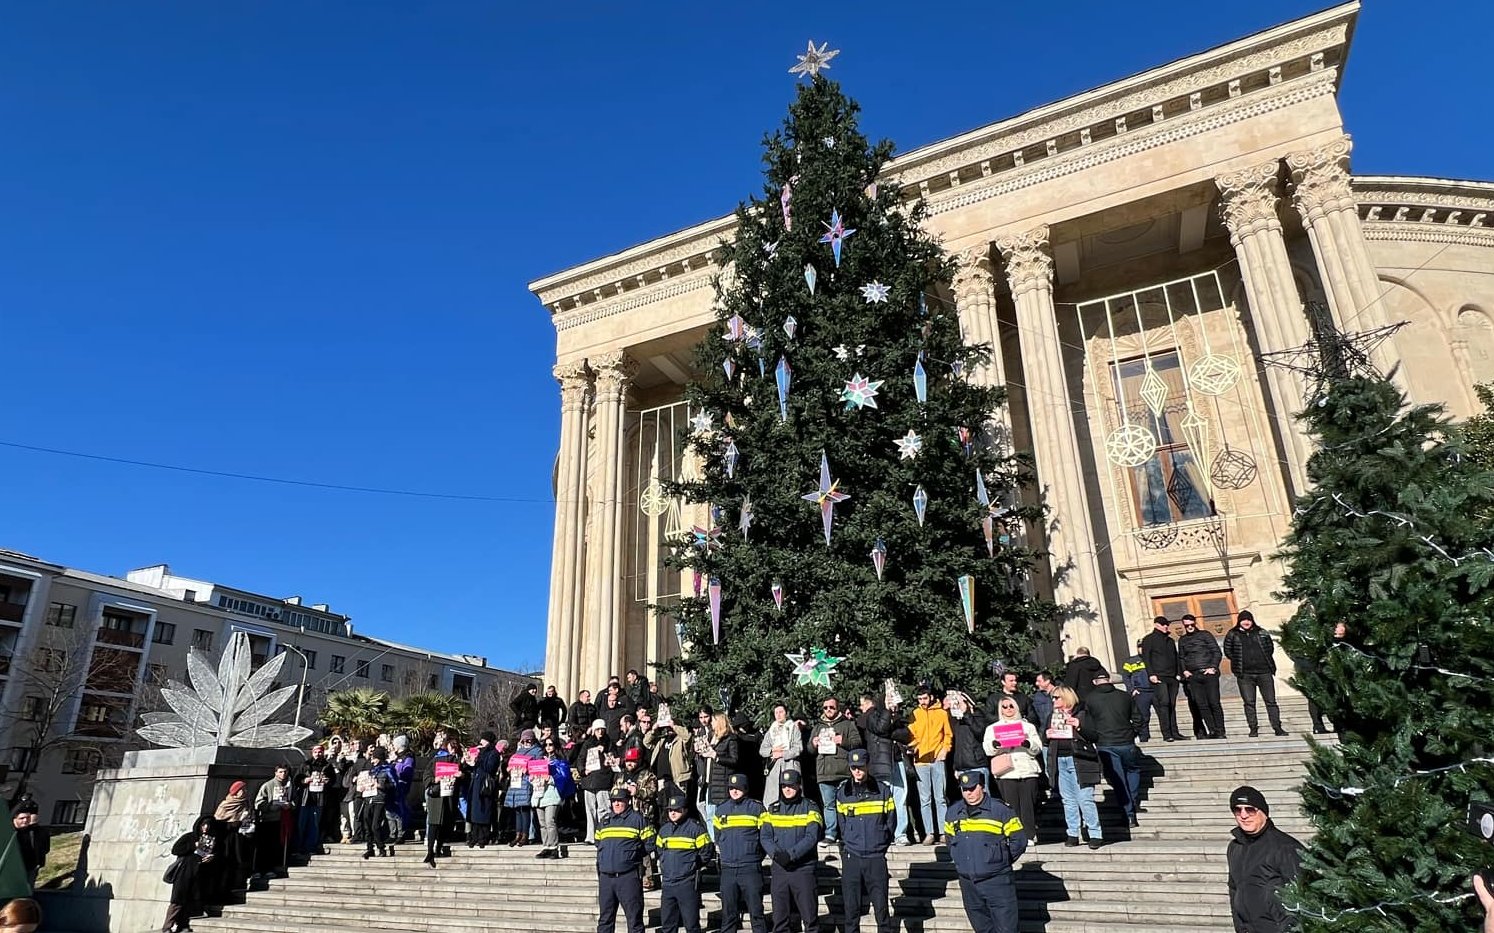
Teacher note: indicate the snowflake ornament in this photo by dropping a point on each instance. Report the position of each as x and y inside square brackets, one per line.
[861, 392]
[875, 293]
[909, 445]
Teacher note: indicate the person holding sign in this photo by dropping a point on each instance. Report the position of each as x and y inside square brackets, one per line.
[441, 796]
[1015, 749]
[313, 784]
[1075, 763]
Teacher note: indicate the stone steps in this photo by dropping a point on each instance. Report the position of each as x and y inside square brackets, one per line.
[1179, 849]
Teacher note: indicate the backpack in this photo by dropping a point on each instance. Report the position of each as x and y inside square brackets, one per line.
[565, 782]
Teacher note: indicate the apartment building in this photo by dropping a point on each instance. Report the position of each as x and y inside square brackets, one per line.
[83, 657]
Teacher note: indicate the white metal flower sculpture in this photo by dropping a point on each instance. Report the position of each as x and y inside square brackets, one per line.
[229, 707]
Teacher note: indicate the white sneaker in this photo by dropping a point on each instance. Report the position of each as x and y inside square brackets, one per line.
[901, 841]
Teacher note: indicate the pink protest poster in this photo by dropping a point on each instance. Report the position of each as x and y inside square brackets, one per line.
[447, 769]
[1008, 734]
[538, 767]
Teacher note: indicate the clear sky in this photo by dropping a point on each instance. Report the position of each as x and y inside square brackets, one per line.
[293, 239]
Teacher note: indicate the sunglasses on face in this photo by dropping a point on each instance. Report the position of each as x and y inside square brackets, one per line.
[1243, 810]
[831, 709]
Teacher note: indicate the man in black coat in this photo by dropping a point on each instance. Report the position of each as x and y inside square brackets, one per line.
[1160, 655]
[525, 707]
[1262, 860]
[1010, 689]
[1252, 659]
[552, 709]
[1080, 673]
[1110, 721]
[1199, 656]
[583, 713]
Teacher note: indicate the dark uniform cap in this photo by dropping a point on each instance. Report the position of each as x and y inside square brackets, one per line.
[969, 779]
[857, 758]
[676, 802]
[737, 780]
[621, 793]
[789, 778]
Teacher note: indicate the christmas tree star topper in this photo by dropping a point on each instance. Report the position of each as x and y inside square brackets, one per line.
[814, 59]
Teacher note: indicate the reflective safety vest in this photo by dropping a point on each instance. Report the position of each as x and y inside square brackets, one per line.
[984, 840]
[793, 828]
[683, 849]
[867, 814]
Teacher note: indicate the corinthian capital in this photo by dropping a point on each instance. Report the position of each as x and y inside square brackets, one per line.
[1247, 200]
[1029, 261]
[973, 278]
[575, 381]
[614, 371]
[1320, 178]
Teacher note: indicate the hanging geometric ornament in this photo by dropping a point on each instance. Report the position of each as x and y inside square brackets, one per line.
[785, 375]
[967, 601]
[988, 528]
[730, 457]
[695, 581]
[860, 392]
[1233, 469]
[1181, 491]
[965, 443]
[790, 326]
[981, 495]
[1153, 390]
[701, 421]
[909, 445]
[784, 197]
[736, 328]
[777, 590]
[1130, 445]
[958, 368]
[652, 501]
[920, 504]
[810, 276]
[875, 293]
[771, 249]
[1195, 429]
[923, 305]
[826, 496]
[879, 557]
[920, 380]
[729, 365]
[731, 420]
[714, 589]
[1214, 374]
[744, 520]
[762, 365]
[836, 233]
[814, 667]
[870, 191]
[706, 540]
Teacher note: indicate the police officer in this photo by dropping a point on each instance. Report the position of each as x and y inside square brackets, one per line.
[1139, 686]
[792, 828]
[866, 814]
[683, 848]
[623, 838]
[739, 843]
[985, 838]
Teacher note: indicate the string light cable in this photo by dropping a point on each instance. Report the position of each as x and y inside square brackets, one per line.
[1374, 908]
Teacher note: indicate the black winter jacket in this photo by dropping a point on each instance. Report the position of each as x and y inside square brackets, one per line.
[1259, 866]
[581, 716]
[1160, 655]
[1199, 650]
[1080, 673]
[1111, 717]
[1250, 652]
[876, 731]
[969, 733]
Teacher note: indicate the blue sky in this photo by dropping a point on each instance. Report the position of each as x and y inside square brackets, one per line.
[293, 239]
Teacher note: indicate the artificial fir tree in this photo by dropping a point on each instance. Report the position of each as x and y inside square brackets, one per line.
[833, 304]
[1391, 542]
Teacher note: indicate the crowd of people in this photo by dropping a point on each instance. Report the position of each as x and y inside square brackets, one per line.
[875, 772]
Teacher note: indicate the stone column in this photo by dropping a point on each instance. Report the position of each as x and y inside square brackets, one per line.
[1320, 180]
[975, 300]
[614, 374]
[1071, 535]
[1248, 202]
[567, 559]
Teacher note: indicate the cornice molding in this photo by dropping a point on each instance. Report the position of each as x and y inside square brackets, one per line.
[1418, 232]
[586, 314]
[1312, 46]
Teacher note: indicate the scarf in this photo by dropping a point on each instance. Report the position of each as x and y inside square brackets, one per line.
[232, 810]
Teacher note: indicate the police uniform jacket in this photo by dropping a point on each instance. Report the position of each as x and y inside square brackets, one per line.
[683, 849]
[985, 839]
[738, 832]
[867, 815]
[622, 840]
[1135, 672]
[791, 830]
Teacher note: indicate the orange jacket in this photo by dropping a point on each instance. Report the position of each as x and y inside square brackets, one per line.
[933, 736]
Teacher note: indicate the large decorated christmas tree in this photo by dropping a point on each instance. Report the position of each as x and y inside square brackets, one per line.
[1393, 545]
[858, 509]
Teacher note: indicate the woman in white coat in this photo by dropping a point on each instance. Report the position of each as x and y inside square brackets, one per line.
[1016, 762]
[780, 750]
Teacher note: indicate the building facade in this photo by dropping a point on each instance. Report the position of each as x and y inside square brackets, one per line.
[83, 657]
[1130, 254]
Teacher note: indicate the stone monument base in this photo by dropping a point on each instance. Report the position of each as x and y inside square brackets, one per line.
[138, 812]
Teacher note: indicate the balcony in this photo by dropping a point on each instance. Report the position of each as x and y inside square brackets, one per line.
[12, 612]
[124, 639]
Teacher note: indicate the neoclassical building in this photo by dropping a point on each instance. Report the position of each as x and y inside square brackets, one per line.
[1130, 253]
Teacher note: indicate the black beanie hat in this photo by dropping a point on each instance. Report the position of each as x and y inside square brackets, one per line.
[1247, 796]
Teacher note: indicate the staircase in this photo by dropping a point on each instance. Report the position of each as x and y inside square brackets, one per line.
[1167, 876]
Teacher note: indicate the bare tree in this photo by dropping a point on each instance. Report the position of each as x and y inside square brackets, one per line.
[490, 709]
[55, 679]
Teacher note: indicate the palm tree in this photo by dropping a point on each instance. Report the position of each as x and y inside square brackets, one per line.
[421, 715]
[358, 713]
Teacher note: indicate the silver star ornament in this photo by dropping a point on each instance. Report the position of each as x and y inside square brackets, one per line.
[814, 59]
